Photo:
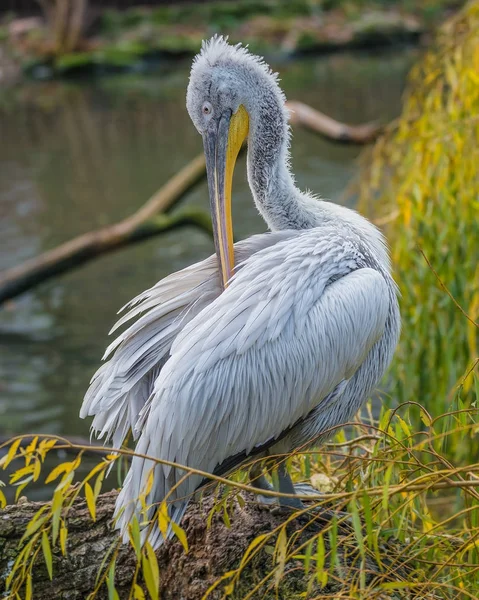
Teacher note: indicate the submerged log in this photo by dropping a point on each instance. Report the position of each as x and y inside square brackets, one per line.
[213, 551]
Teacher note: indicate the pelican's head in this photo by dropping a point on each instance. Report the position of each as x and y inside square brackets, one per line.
[226, 92]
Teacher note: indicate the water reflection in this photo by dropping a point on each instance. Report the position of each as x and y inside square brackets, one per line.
[78, 156]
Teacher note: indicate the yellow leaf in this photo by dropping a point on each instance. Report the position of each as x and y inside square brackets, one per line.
[28, 587]
[163, 519]
[3, 500]
[138, 593]
[63, 538]
[280, 552]
[151, 572]
[180, 534]
[256, 542]
[45, 446]
[56, 472]
[99, 467]
[47, 554]
[30, 449]
[90, 500]
[37, 467]
[66, 467]
[65, 482]
[6, 460]
[20, 473]
[149, 482]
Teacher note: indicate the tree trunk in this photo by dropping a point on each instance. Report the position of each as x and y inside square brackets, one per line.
[213, 551]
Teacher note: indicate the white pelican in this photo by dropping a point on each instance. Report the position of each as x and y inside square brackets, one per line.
[227, 363]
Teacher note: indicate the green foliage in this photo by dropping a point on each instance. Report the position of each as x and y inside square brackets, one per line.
[396, 498]
[425, 172]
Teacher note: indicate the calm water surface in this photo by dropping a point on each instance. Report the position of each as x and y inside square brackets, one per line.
[77, 156]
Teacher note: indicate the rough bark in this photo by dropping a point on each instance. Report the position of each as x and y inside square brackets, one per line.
[213, 551]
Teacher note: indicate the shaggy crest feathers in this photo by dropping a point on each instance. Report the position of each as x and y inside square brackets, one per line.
[216, 51]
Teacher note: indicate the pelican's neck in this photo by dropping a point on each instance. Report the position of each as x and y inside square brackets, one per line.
[282, 205]
[280, 202]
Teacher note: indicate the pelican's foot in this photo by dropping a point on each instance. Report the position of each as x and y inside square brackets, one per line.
[327, 514]
[266, 501]
[305, 489]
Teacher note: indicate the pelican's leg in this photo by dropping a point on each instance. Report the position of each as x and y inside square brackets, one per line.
[286, 486]
[259, 481]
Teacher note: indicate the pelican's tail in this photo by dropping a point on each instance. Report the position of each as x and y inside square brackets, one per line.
[145, 487]
[154, 535]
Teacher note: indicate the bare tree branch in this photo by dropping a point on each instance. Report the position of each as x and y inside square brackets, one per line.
[310, 118]
[145, 223]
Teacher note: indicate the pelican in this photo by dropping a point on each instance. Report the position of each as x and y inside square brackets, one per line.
[267, 345]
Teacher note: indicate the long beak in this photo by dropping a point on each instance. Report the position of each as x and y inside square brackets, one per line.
[221, 151]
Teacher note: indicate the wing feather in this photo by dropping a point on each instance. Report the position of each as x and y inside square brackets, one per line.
[120, 388]
[259, 358]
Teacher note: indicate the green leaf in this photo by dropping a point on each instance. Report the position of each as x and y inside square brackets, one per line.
[138, 593]
[28, 587]
[90, 500]
[110, 582]
[47, 554]
[151, 572]
[180, 534]
[57, 504]
[135, 537]
[35, 523]
[280, 553]
[63, 537]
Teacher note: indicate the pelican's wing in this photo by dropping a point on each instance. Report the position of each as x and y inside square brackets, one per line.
[121, 386]
[296, 320]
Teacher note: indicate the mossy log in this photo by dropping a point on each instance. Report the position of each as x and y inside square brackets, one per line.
[213, 551]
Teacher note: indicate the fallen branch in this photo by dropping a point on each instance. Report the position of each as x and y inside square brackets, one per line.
[149, 220]
[310, 118]
[213, 551]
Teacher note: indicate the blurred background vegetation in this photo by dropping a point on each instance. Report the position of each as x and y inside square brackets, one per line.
[79, 35]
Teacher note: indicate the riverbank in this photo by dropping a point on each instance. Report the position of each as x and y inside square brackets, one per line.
[89, 39]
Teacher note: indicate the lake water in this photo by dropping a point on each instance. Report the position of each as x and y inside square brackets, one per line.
[76, 156]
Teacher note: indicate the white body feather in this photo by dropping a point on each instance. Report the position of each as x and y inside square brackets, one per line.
[290, 350]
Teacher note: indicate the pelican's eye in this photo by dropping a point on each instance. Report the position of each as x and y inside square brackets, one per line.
[207, 109]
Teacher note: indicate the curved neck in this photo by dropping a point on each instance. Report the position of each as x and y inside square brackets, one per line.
[280, 202]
